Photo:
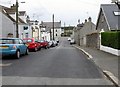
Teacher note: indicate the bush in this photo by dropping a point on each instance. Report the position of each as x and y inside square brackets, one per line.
[111, 39]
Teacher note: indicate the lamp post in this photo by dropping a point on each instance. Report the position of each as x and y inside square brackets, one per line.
[116, 2]
[53, 27]
[17, 34]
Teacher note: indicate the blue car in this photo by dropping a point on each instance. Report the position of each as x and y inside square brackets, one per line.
[13, 46]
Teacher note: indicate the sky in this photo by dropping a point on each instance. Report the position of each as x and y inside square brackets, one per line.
[66, 11]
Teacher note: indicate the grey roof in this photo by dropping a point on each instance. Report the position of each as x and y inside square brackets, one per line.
[112, 20]
[49, 25]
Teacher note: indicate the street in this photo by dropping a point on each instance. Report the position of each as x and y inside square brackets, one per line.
[60, 65]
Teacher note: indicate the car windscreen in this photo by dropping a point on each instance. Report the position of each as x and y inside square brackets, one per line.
[6, 41]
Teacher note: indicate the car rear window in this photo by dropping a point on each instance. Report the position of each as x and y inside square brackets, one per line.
[41, 40]
[27, 41]
[6, 41]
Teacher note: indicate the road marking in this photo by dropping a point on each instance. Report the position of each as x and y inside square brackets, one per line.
[112, 77]
[16, 80]
[3, 65]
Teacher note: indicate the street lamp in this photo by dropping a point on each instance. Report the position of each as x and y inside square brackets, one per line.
[53, 28]
[17, 34]
[117, 2]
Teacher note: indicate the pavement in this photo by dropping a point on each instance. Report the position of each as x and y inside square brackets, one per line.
[109, 63]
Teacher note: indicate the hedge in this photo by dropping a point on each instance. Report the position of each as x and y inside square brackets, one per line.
[111, 39]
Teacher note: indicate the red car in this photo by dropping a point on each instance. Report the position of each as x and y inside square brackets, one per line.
[32, 44]
[44, 44]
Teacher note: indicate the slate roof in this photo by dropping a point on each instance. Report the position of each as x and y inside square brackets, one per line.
[49, 25]
[112, 20]
[7, 11]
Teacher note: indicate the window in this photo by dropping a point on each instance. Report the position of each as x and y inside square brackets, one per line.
[56, 30]
[56, 34]
[25, 27]
[117, 13]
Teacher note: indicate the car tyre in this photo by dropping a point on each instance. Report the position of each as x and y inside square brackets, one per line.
[17, 55]
[27, 52]
[46, 47]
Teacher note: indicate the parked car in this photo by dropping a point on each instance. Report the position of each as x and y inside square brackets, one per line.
[55, 42]
[44, 44]
[32, 45]
[50, 43]
[69, 39]
[40, 46]
[13, 46]
[72, 41]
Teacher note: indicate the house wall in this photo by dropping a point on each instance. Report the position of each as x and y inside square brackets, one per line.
[7, 26]
[92, 40]
[0, 22]
[25, 33]
[88, 28]
[102, 23]
[45, 36]
[36, 32]
[57, 34]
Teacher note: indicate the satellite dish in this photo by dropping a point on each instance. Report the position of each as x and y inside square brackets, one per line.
[114, 1]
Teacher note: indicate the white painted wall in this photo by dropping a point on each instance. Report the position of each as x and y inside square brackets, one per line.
[7, 26]
[110, 50]
[0, 22]
[59, 32]
[45, 36]
[23, 33]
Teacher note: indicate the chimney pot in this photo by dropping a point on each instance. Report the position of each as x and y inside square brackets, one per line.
[90, 19]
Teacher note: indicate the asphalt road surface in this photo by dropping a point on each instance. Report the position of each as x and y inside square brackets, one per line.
[61, 65]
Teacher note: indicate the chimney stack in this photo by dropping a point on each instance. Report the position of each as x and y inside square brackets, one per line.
[85, 20]
[90, 19]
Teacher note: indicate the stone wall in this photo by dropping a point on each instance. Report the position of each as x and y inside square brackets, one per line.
[92, 40]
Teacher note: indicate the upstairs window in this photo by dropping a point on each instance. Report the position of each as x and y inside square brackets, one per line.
[117, 13]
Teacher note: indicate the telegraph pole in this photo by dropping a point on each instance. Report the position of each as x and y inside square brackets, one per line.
[53, 27]
[17, 34]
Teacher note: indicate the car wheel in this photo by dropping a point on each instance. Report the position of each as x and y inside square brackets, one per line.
[40, 48]
[17, 55]
[45, 47]
[27, 52]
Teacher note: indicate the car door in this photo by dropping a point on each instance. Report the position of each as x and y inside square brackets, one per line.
[22, 46]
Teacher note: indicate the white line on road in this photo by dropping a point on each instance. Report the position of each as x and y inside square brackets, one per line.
[16, 80]
[3, 65]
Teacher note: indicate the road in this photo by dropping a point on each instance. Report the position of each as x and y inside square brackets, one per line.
[61, 65]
